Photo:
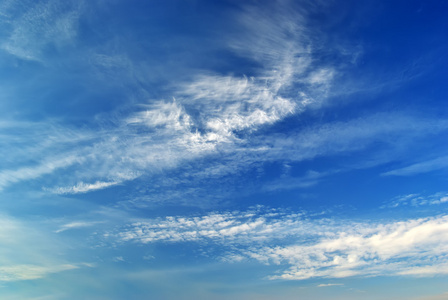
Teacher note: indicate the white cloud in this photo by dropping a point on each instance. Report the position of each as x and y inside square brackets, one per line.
[20, 261]
[238, 227]
[30, 272]
[309, 247]
[82, 187]
[39, 25]
[226, 104]
[417, 200]
[75, 225]
[210, 110]
[329, 284]
[8, 177]
[414, 247]
[213, 115]
[166, 115]
[118, 259]
[421, 167]
[353, 135]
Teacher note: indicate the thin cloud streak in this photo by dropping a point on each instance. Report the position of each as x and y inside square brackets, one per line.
[82, 188]
[8, 177]
[417, 200]
[421, 167]
[19, 261]
[76, 225]
[31, 272]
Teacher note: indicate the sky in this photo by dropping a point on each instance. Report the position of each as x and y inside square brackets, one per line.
[193, 149]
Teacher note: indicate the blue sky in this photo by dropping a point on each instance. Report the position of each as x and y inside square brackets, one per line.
[223, 149]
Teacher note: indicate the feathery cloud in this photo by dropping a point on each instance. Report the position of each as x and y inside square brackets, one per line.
[421, 167]
[30, 272]
[417, 200]
[324, 248]
[43, 24]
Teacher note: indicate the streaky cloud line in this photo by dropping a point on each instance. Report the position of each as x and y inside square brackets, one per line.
[421, 167]
[329, 284]
[417, 200]
[22, 272]
[315, 247]
[77, 225]
[21, 262]
[8, 177]
[81, 187]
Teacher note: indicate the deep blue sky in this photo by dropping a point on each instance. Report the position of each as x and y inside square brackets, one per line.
[223, 149]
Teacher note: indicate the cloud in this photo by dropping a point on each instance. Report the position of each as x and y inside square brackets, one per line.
[19, 261]
[8, 177]
[353, 135]
[417, 200]
[211, 110]
[82, 187]
[33, 149]
[387, 133]
[309, 247]
[311, 178]
[75, 225]
[213, 116]
[235, 227]
[118, 259]
[421, 167]
[227, 104]
[329, 284]
[414, 247]
[30, 272]
[39, 25]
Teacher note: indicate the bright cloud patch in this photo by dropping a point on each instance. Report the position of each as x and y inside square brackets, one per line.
[83, 187]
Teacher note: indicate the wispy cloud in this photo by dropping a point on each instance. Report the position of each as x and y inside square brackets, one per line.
[42, 24]
[315, 247]
[82, 187]
[211, 115]
[417, 200]
[8, 177]
[421, 167]
[354, 135]
[413, 247]
[311, 178]
[29, 272]
[330, 284]
[387, 132]
[19, 261]
[227, 104]
[238, 227]
[75, 225]
[211, 110]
